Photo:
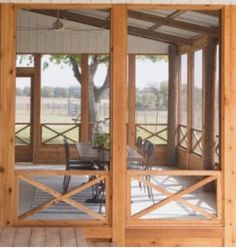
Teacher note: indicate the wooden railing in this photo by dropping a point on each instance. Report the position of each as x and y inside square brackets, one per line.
[159, 181]
[22, 133]
[196, 146]
[157, 133]
[33, 178]
[217, 149]
[54, 133]
[196, 141]
[182, 136]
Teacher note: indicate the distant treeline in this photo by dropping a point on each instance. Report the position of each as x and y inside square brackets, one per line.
[47, 91]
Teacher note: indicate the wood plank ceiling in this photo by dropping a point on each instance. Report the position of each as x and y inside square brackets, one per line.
[179, 27]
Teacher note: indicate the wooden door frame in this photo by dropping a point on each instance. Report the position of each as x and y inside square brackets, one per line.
[228, 102]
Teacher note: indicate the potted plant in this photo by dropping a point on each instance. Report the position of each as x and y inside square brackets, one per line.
[102, 141]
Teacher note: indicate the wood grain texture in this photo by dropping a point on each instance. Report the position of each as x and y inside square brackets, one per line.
[38, 235]
[68, 237]
[22, 237]
[7, 237]
[175, 236]
[7, 112]
[53, 237]
[208, 118]
[228, 108]
[118, 121]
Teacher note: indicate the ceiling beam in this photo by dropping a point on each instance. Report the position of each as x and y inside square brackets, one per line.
[211, 31]
[174, 15]
[171, 39]
[105, 24]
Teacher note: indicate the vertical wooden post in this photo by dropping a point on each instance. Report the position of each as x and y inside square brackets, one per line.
[228, 121]
[208, 120]
[131, 99]
[172, 107]
[7, 113]
[84, 127]
[189, 108]
[118, 121]
[36, 132]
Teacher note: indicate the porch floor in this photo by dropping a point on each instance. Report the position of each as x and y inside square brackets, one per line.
[45, 237]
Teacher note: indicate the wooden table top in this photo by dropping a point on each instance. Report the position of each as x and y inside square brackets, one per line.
[87, 152]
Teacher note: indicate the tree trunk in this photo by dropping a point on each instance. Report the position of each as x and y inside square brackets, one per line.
[93, 113]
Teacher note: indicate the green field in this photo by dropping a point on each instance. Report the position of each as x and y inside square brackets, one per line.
[55, 112]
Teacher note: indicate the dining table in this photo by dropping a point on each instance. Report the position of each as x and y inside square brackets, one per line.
[89, 153]
[101, 157]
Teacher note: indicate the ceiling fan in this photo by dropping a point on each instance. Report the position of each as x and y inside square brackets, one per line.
[58, 25]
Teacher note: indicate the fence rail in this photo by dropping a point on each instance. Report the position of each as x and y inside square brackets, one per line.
[196, 146]
[22, 133]
[157, 133]
[54, 133]
[159, 181]
[197, 141]
[39, 180]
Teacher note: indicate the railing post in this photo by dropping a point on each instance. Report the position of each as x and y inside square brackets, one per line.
[172, 107]
[131, 99]
[36, 108]
[84, 127]
[208, 130]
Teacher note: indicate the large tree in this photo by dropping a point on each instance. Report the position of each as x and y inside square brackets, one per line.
[95, 92]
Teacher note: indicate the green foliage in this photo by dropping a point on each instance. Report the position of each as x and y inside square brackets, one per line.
[102, 140]
[153, 58]
[152, 97]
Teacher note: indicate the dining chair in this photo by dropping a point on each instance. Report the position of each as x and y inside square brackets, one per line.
[139, 144]
[149, 164]
[72, 164]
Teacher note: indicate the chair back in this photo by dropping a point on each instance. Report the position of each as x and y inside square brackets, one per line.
[145, 150]
[150, 155]
[139, 144]
[67, 153]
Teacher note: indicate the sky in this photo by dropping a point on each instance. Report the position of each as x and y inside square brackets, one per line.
[147, 73]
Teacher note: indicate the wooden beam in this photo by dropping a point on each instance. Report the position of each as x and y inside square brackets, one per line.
[168, 38]
[211, 31]
[136, 31]
[174, 15]
[84, 127]
[7, 113]
[132, 99]
[118, 121]
[228, 121]
[172, 107]
[208, 118]
[36, 107]
[189, 108]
